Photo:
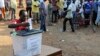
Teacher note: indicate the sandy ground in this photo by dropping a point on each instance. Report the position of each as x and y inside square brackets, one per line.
[81, 43]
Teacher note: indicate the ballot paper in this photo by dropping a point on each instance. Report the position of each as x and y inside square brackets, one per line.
[30, 23]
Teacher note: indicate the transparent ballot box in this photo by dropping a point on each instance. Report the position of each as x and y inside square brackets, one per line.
[27, 42]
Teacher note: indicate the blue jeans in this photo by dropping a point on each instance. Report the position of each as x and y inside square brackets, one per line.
[42, 22]
[74, 17]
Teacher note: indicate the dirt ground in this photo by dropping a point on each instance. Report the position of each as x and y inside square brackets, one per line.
[81, 43]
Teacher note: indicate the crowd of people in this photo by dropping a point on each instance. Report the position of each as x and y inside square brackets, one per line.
[8, 5]
[77, 12]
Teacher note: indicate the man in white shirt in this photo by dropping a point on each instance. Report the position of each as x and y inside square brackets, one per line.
[2, 6]
[69, 12]
[69, 17]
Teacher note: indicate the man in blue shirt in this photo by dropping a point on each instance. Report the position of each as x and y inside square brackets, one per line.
[87, 12]
[42, 16]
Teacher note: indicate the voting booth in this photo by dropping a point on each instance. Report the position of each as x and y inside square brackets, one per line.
[27, 42]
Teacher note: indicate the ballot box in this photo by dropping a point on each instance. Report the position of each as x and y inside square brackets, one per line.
[27, 42]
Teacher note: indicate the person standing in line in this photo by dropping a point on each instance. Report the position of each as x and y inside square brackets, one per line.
[49, 13]
[80, 16]
[87, 12]
[29, 7]
[7, 5]
[95, 11]
[69, 16]
[74, 13]
[54, 11]
[35, 10]
[7, 10]
[13, 7]
[2, 6]
[46, 3]
[97, 22]
[60, 4]
[42, 16]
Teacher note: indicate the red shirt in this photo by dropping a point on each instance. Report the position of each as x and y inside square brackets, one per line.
[16, 21]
